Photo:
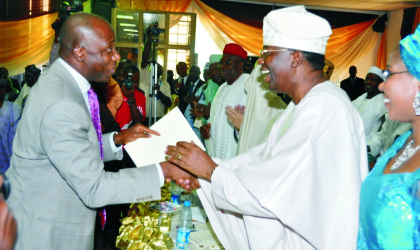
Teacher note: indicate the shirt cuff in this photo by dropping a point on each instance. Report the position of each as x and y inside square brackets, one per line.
[114, 148]
[160, 172]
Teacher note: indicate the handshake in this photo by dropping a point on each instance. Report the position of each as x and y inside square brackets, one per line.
[187, 162]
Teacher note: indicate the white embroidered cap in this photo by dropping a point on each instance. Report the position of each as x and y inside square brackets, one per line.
[206, 66]
[377, 71]
[295, 28]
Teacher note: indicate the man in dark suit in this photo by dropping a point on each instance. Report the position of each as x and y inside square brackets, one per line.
[191, 86]
[57, 169]
[354, 86]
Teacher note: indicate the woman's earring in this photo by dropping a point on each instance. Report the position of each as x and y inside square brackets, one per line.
[416, 103]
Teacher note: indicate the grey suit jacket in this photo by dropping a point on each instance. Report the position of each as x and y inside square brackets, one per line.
[56, 173]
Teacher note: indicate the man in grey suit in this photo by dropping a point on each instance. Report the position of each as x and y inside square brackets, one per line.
[57, 175]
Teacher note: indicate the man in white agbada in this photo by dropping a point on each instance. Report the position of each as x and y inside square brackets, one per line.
[222, 143]
[300, 188]
[371, 104]
[264, 108]
[382, 140]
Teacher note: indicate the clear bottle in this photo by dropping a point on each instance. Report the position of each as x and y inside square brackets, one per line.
[176, 193]
[184, 226]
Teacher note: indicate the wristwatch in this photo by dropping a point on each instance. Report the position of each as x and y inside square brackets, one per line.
[129, 102]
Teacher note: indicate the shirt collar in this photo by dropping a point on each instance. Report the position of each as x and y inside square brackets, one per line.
[83, 84]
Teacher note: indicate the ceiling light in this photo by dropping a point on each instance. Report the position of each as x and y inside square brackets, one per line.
[125, 17]
[131, 30]
[128, 24]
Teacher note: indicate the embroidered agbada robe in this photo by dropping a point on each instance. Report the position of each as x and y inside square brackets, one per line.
[222, 143]
[210, 91]
[262, 105]
[9, 117]
[382, 140]
[298, 190]
[371, 111]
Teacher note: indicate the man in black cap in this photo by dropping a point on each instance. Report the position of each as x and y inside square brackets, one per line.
[32, 74]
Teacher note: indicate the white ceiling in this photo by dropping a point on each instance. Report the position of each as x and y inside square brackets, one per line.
[363, 5]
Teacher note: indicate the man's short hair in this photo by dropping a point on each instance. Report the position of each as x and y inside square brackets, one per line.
[131, 68]
[315, 60]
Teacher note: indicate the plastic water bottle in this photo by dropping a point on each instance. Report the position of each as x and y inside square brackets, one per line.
[176, 193]
[184, 226]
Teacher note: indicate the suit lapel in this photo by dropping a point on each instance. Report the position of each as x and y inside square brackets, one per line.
[72, 84]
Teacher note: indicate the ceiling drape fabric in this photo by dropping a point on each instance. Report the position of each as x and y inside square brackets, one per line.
[416, 20]
[347, 45]
[26, 42]
[29, 41]
[156, 5]
[249, 37]
[381, 59]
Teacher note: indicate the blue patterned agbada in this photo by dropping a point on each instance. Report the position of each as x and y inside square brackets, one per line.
[9, 115]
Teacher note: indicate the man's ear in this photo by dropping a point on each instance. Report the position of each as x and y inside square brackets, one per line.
[79, 53]
[297, 59]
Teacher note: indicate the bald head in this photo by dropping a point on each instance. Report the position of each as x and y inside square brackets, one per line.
[87, 44]
[80, 28]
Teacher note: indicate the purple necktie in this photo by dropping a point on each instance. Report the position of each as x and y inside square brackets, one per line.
[96, 119]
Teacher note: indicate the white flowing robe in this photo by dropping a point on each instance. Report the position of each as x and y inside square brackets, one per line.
[297, 191]
[222, 143]
[262, 105]
[382, 140]
[371, 110]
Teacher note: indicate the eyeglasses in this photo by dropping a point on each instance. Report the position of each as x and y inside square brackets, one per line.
[387, 74]
[264, 52]
[227, 63]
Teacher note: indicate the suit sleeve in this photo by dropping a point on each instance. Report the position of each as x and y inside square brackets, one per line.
[109, 153]
[66, 137]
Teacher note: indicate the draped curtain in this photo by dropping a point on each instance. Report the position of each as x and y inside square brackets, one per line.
[416, 20]
[381, 59]
[345, 47]
[26, 42]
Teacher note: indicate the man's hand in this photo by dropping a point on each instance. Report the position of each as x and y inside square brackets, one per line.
[202, 110]
[191, 99]
[133, 133]
[128, 93]
[8, 225]
[178, 85]
[194, 112]
[235, 116]
[176, 102]
[191, 158]
[205, 131]
[171, 172]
